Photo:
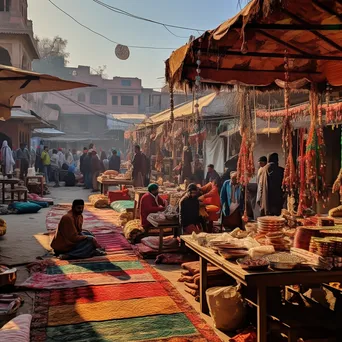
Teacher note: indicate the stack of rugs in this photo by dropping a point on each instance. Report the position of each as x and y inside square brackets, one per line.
[149, 246]
[133, 230]
[98, 201]
[191, 278]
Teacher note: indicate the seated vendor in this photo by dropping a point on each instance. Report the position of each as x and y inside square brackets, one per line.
[70, 241]
[150, 203]
[189, 207]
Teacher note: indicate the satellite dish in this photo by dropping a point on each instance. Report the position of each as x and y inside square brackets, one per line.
[122, 52]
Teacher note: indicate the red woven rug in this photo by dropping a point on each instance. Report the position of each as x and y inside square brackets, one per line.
[137, 303]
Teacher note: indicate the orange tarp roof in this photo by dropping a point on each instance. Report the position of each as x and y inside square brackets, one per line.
[250, 47]
[15, 82]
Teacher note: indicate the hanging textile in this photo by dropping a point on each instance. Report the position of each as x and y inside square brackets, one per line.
[214, 153]
[315, 152]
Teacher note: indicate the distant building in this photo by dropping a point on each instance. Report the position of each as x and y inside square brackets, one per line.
[17, 44]
[82, 112]
[152, 101]
[18, 48]
[116, 95]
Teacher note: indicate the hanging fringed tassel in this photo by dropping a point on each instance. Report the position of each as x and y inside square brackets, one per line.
[315, 152]
[172, 117]
[302, 187]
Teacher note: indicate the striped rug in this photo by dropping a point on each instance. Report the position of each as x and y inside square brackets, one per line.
[117, 298]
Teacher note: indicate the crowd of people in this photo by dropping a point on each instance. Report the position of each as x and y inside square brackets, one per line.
[84, 166]
[221, 198]
[200, 206]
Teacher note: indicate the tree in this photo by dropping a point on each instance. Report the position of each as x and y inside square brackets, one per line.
[55, 47]
[100, 70]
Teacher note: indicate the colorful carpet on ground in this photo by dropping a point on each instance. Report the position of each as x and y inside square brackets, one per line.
[113, 298]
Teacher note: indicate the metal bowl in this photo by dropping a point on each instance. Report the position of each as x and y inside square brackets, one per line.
[283, 265]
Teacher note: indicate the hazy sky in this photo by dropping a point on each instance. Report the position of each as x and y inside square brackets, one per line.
[86, 48]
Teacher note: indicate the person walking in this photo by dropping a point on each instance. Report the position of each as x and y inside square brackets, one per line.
[55, 167]
[270, 193]
[114, 162]
[46, 163]
[212, 175]
[32, 156]
[82, 157]
[61, 156]
[39, 151]
[69, 158]
[95, 170]
[86, 166]
[7, 160]
[139, 168]
[24, 156]
[104, 161]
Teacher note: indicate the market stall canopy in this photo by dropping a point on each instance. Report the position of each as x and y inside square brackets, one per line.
[15, 82]
[28, 117]
[262, 127]
[214, 104]
[121, 122]
[47, 132]
[250, 47]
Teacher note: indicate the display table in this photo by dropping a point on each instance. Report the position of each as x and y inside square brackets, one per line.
[12, 182]
[260, 280]
[106, 183]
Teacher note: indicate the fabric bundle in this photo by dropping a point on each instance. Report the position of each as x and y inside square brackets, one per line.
[122, 206]
[191, 277]
[133, 229]
[156, 218]
[169, 243]
[99, 201]
[149, 246]
[17, 330]
[125, 217]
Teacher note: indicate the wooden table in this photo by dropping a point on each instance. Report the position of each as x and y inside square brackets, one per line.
[39, 179]
[174, 224]
[12, 182]
[106, 183]
[260, 280]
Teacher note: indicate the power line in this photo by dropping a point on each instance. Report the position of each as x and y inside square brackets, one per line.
[167, 29]
[105, 37]
[120, 11]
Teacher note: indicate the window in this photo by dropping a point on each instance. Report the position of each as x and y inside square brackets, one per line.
[114, 100]
[98, 97]
[5, 58]
[127, 100]
[126, 83]
[5, 5]
[81, 97]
